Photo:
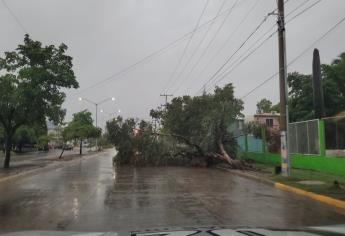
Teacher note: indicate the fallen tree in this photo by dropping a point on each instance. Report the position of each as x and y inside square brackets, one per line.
[194, 128]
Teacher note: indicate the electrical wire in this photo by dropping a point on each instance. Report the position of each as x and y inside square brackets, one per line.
[296, 8]
[204, 37]
[15, 17]
[151, 55]
[239, 48]
[226, 73]
[228, 39]
[244, 58]
[221, 47]
[297, 57]
[172, 75]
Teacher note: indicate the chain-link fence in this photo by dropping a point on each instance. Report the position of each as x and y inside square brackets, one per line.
[335, 133]
[304, 137]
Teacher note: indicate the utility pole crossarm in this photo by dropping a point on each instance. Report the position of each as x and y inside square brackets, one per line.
[166, 98]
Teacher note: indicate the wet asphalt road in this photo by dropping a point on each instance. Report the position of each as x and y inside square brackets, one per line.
[92, 196]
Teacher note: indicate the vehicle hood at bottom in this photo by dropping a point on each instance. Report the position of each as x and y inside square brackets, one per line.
[198, 231]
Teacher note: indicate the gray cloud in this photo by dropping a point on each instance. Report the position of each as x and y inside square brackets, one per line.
[106, 36]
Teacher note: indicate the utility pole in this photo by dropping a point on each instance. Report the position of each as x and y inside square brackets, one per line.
[284, 112]
[166, 98]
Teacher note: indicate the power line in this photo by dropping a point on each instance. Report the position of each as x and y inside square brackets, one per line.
[151, 55]
[297, 57]
[15, 17]
[212, 39]
[172, 75]
[244, 58]
[227, 40]
[296, 8]
[304, 10]
[222, 46]
[239, 48]
[226, 73]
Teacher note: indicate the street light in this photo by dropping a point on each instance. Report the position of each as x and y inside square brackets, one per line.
[96, 105]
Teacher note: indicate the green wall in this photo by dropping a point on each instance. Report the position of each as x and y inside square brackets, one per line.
[330, 165]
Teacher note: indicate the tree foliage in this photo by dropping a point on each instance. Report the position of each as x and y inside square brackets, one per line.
[301, 91]
[196, 128]
[135, 142]
[203, 121]
[263, 106]
[30, 86]
[81, 128]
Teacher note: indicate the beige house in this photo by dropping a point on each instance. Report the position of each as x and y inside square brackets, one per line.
[269, 119]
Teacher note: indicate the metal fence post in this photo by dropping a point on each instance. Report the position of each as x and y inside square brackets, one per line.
[246, 142]
[322, 141]
[263, 137]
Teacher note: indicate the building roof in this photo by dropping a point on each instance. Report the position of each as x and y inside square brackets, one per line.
[268, 114]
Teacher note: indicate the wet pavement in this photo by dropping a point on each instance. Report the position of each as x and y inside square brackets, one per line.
[93, 196]
[24, 162]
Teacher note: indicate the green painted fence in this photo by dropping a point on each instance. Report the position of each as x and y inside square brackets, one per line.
[325, 164]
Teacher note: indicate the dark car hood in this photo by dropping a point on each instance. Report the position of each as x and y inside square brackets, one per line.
[198, 231]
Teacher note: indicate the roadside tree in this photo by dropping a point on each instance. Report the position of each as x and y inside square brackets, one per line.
[80, 129]
[31, 80]
[263, 106]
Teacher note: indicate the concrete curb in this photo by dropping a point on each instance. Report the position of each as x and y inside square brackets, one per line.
[314, 196]
[48, 167]
[317, 197]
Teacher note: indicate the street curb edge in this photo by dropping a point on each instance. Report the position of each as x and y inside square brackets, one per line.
[318, 197]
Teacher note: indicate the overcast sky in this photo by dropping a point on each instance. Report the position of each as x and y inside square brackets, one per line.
[105, 37]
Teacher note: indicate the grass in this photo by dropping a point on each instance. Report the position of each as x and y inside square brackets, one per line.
[328, 189]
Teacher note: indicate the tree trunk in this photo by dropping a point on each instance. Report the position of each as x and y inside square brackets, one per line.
[224, 154]
[81, 147]
[8, 146]
[235, 164]
[20, 148]
[63, 149]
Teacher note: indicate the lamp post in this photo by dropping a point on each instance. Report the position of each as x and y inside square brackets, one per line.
[96, 104]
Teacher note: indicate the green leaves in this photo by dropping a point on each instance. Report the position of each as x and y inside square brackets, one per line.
[301, 91]
[264, 106]
[35, 76]
[81, 127]
[31, 80]
[203, 120]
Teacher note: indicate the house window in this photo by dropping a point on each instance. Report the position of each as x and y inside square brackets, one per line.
[269, 122]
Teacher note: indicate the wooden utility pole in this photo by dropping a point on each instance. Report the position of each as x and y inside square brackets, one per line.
[166, 98]
[284, 114]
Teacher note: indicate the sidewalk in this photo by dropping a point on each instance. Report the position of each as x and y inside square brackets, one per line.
[319, 186]
[317, 182]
